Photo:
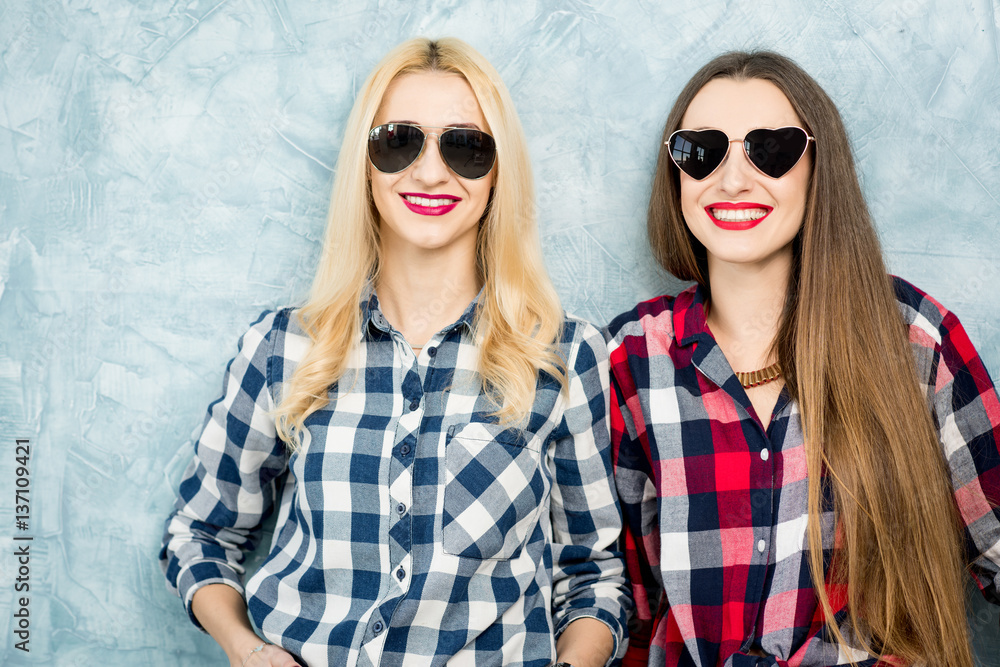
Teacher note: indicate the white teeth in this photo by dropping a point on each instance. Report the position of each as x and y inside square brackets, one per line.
[738, 215]
[424, 201]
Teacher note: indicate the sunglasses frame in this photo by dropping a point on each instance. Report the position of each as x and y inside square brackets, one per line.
[437, 135]
[742, 141]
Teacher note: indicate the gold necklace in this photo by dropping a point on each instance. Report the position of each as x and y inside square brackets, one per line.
[757, 378]
[751, 379]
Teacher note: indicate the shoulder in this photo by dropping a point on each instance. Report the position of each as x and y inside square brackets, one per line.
[581, 341]
[936, 333]
[269, 326]
[276, 338]
[655, 315]
[930, 323]
[576, 330]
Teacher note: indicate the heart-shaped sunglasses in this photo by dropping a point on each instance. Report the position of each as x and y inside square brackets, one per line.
[773, 152]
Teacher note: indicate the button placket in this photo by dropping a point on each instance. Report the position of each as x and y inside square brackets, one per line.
[408, 406]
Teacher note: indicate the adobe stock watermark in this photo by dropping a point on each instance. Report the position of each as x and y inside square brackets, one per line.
[22, 545]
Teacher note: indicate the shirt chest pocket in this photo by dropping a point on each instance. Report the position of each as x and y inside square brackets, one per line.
[493, 491]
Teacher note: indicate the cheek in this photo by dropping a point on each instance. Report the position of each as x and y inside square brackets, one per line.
[489, 182]
[793, 201]
[802, 181]
[485, 187]
[381, 188]
[479, 193]
[690, 192]
[798, 192]
[381, 197]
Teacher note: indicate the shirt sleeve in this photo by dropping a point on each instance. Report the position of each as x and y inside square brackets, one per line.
[633, 471]
[228, 489]
[967, 413]
[588, 572]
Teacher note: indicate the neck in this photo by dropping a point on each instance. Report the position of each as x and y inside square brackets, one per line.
[745, 309]
[422, 291]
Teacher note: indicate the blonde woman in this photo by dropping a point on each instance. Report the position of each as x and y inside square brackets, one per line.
[806, 448]
[429, 425]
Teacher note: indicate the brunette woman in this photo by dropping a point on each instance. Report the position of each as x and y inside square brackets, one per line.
[806, 448]
[430, 426]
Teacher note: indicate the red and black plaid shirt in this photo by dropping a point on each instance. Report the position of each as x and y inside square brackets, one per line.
[715, 506]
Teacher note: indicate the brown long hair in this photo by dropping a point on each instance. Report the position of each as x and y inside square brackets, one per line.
[845, 354]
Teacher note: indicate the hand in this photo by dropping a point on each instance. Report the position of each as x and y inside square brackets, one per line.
[586, 642]
[222, 612]
[270, 656]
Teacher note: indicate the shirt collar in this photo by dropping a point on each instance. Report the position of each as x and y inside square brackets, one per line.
[690, 326]
[689, 316]
[371, 312]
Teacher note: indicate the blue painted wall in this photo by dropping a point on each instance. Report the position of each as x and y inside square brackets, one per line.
[164, 175]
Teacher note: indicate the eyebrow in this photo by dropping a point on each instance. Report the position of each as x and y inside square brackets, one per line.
[757, 127]
[472, 126]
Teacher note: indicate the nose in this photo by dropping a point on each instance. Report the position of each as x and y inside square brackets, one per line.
[736, 173]
[430, 168]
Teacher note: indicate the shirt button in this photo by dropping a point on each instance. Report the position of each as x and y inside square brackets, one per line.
[401, 574]
[414, 405]
[764, 454]
[432, 351]
[404, 449]
[761, 545]
[401, 508]
[378, 626]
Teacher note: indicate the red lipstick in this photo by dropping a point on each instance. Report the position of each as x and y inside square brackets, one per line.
[429, 204]
[739, 222]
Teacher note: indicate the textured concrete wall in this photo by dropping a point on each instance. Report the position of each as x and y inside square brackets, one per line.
[164, 175]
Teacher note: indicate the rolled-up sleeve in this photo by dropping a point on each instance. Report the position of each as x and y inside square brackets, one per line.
[228, 489]
[588, 571]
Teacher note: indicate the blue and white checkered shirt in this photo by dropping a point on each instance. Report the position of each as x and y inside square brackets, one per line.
[411, 528]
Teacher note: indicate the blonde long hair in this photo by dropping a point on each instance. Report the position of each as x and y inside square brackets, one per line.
[845, 353]
[519, 317]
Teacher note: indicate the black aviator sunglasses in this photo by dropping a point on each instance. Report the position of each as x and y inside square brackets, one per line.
[468, 152]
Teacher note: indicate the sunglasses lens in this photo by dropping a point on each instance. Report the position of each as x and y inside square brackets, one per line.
[775, 152]
[698, 152]
[393, 147]
[469, 153]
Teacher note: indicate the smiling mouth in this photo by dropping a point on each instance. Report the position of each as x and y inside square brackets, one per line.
[739, 214]
[430, 202]
[433, 205]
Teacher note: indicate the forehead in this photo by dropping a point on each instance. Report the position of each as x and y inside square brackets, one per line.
[437, 99]
[737, 107]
